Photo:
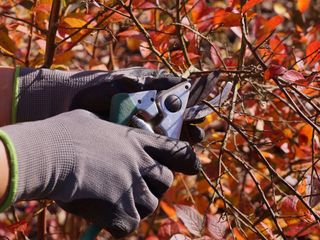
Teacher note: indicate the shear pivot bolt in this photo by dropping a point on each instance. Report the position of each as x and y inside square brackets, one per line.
[173, 103]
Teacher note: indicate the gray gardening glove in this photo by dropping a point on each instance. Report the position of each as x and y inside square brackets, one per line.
[109, 174]
[43, 93]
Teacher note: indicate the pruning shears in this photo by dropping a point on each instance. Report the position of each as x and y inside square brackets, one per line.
[164, 112]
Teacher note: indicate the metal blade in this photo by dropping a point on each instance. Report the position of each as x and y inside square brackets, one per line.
[202, 87]
[201, 110]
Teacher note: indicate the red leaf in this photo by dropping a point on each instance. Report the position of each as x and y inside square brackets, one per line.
[169, 228]
[303, 228]
[191, 218]
[226, 18]
[288, 205]
[250, 4]
[214, 51]
[217, 226]
[313, 52]
[274, 71]
[19, 226]
[131, 33]
[303, 5]
[292, 75]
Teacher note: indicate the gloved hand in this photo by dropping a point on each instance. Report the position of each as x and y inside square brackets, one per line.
[43, 93]
[110, 174]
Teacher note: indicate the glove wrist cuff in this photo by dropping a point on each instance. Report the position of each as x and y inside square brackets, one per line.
[13, 165]
[15, 95]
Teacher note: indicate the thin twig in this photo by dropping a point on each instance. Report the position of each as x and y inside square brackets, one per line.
[180, 34]
[207, 39]
[148, 38]
[53, 27]
[241, 216]
[266, 162]
[258, 186]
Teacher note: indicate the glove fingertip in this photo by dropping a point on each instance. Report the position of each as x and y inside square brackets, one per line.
[192, 134]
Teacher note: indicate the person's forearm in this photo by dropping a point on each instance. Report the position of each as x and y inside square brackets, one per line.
[4, 172]
[6, 90]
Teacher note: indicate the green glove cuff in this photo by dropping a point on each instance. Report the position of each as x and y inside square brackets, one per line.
[13, 164]
[15, 92]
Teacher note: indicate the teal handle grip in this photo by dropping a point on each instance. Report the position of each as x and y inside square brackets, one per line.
[122, 109]
[91, 233]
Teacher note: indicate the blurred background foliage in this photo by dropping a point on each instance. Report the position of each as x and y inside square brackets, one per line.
[261, 152]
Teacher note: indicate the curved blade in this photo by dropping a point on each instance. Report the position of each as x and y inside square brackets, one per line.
[201, 110]
[202, 87]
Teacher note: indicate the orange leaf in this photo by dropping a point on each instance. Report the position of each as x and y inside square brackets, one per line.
[170, 211]
[75, 22]
[303, 5]
[305, 136]
[250, 4]
[273, 23]
[7, 45]
[313, 52]
[237, 234]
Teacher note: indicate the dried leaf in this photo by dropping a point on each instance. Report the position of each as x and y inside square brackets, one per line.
[191, 218]
[7, 45]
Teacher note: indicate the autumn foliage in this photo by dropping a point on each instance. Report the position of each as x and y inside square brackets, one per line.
[261, 153]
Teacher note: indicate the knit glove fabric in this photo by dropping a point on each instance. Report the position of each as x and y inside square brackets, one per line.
[111, 175]
[43, 93]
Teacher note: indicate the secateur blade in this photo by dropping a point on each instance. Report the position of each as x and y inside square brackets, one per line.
[202, 110]
[202, 87]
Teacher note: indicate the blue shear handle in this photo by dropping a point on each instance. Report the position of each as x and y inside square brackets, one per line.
[121, 111]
